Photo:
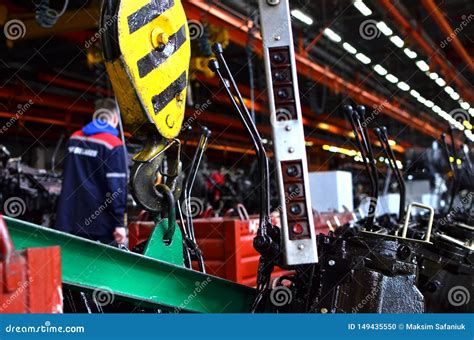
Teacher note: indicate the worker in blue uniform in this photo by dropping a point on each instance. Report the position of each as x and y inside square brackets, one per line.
[93, 197]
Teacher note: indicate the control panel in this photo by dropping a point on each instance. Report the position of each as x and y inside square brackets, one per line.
[297, 224]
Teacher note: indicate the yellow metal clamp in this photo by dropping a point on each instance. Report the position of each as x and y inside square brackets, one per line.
[147, 51]
[148, 64]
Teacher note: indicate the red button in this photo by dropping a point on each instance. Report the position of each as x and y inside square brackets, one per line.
[297, 228]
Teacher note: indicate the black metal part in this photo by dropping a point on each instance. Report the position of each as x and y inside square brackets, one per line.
[383, 138]
[263, 242]
[454, 184]
[191, 248]
[170, 201]
[357, 273]
[145, 175]
[446, 272]
[361, 144]
[267, 240]
[362, 127]
[249, 125]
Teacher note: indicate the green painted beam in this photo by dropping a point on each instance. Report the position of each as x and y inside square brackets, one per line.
[94, 266]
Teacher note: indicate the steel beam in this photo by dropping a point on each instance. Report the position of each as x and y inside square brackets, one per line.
[446, 28]
[239, 35]
[142, 280]
[415, 35]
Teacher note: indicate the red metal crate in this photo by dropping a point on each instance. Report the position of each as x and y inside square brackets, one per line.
[30, 279]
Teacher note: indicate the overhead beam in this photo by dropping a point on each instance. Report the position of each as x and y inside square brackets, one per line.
[239, 31]
[438, 16]
[449, 73]
[325, 122]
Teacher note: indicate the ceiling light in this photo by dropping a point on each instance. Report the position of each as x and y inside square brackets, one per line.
[415, 93]
[421, 99]
[422, 65]
[458, 125]
[440, 81]
[444, 114]
[465, 105]
[382, 26]
[410, 54]
[380, 70]
[403, 86]
[391, 78]
[436, 109]
[332, 35]
[455, 95]
[349, 48]
[363, 58]
[429, 103]
[359, 4]
[323, 126]
[397, 41]
[434, 75]
[471, 111]
[448, 89]
[302, 17]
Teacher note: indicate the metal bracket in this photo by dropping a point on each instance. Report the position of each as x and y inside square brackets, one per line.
[407, 220]
[406, 223]
[158, 249]
[147, 172]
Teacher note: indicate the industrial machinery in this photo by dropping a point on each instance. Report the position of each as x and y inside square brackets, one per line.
[364, 265]
[150, 81]
[368, 265]
[447, 263]
[27, 192]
